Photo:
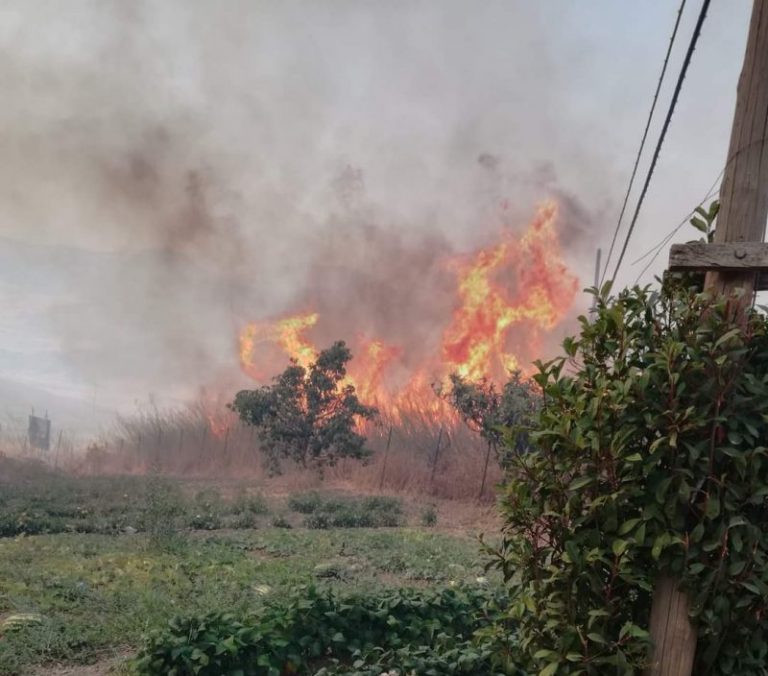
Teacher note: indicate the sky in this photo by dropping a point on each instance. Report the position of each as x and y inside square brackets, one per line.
[172, 168]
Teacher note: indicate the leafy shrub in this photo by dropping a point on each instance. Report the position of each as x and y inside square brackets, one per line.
[280, 521]
[346, 512]
[162, 512]
[307, 503]
[253, 503]
[429, 516]
[317, 629]
[649, 459]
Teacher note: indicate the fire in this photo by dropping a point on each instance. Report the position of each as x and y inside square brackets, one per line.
[288, 333]
[518, 282]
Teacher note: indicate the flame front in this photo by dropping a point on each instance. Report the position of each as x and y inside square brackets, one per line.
[519, 281]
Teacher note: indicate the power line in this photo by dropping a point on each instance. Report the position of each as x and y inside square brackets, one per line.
[657, 249]
[713, 189]
[667, 120]
[642, 141]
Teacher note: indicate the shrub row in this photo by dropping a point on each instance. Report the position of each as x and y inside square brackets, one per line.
[58, 504]
[347, 512]
[319, 632]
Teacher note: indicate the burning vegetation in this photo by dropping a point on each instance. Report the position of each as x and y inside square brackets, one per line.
[507, 296]
[413, 317]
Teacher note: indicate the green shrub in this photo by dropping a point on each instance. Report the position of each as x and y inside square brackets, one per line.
[429, 516]
[279, 521]
[649, 460]
[347, 512]
[317, 629]
[252, 503]
[306, 503]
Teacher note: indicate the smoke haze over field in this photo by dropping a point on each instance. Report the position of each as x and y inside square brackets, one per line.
[173, 169]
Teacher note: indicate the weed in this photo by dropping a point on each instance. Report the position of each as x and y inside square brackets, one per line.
[429, 516]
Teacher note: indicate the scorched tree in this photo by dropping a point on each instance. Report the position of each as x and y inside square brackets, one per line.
[308, 414]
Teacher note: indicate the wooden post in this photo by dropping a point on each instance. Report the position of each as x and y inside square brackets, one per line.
[485, 472]
[742, 219]
[437, 455]
[386, 455]
[744, 193]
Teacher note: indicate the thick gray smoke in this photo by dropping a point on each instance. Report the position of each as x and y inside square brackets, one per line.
[173, 169]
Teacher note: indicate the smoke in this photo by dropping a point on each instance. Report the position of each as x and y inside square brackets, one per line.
[208, 164]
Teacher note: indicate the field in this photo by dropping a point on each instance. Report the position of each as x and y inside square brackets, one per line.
[90, 566]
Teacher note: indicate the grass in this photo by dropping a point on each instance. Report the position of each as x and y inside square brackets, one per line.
[90, 594]
[53, 502]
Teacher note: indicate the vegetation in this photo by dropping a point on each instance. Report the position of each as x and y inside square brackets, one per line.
[322, 632]
[52, 502]
[82, 597]
[336, 512]
[308, 414]
[489, 411]
[648, 458]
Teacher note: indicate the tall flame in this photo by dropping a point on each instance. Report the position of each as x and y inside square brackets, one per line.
[518, 281]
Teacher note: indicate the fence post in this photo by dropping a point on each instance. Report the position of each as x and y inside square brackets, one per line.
[386, 455]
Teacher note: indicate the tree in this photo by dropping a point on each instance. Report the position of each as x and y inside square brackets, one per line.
[494, 415]
[308, 414]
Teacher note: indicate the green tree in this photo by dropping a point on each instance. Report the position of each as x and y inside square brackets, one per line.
[308, 414]
[491, 412]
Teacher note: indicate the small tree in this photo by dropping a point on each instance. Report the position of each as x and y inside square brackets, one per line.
[307, 414]
[493, 413]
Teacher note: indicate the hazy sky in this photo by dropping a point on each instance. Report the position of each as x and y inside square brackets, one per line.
[170, 168]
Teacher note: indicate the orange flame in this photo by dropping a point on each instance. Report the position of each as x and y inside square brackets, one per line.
[518, 281]
[288, 333]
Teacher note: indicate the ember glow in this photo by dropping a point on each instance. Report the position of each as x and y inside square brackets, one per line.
[507, 297]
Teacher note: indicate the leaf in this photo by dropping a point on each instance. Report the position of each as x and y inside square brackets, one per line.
[550, 669]
[619, 547]
[581, 482]
[713, 507]
[628, 525]
[700, 225]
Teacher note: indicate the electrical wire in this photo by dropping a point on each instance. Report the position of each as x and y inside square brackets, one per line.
[642, 141]
[662, 135]
[657, 249]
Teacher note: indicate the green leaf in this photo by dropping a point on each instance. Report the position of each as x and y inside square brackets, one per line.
[628, 525]
[581, 482]
[713, 507]
[550, 669]
[619, 547]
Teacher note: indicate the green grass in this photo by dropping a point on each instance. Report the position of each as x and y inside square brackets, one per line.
[95, 593]
[57, 503]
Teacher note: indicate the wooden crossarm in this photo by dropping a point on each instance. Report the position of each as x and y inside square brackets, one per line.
[736, 256]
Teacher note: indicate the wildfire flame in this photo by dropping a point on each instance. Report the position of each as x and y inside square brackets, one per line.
[519, 281]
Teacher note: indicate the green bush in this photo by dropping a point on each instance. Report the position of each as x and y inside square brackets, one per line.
[319, 632]
[347, 512]
[649, 459]
[429, 516]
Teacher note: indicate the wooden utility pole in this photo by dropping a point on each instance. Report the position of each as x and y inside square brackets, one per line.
[733, 264]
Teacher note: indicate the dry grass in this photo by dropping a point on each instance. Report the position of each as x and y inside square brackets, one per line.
[206, 441]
